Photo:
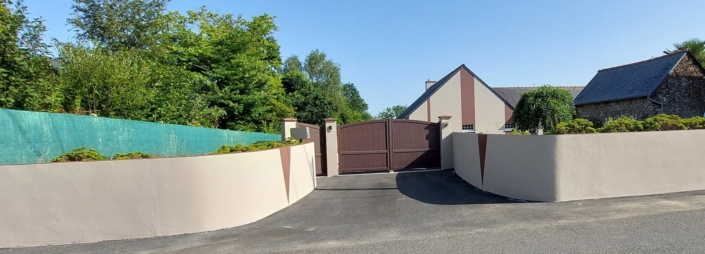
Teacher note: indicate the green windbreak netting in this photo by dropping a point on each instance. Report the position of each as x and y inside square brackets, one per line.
[31, 137]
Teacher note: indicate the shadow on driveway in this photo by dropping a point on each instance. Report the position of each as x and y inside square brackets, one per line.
[439, 187]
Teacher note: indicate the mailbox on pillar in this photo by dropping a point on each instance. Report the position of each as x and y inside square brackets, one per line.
[300, 133]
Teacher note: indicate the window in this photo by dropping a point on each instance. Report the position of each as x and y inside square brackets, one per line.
[468, 128]
[508, 127]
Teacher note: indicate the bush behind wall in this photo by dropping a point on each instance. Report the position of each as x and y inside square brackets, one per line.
[660, 122]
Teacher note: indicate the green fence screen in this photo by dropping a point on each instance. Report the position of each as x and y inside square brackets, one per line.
[32, 137]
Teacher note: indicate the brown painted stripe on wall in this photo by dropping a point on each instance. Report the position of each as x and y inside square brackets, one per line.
[285, 153]
[467, 97]
[482, 144]
[428, 109]
[508, 114]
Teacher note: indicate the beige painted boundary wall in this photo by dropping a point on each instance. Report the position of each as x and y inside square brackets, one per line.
[583, 166]
[73, 202]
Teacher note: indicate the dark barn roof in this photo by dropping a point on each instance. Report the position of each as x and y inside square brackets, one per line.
[513, 94]
[629, 81]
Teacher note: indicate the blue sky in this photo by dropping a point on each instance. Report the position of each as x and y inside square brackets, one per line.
[388, 48]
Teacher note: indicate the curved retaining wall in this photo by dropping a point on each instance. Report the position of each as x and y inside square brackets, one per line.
[583, 166]
[61, 203]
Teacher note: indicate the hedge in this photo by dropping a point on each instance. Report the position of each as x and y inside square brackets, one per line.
[660, 122]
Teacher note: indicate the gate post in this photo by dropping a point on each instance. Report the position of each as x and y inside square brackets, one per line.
[446, 142]
[331, 132]
[287, 124]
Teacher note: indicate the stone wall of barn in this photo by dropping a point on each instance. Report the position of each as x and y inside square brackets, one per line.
[639, 108]
[681, 93]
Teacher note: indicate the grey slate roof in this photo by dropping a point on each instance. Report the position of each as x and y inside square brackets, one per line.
[629, 81]
[431, 90]
[513, 94]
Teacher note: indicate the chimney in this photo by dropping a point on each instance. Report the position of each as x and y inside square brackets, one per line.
[429, 83]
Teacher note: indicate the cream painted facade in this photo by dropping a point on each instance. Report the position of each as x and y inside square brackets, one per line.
[489, 114]
[74, 202]
[446, 101]
[421, 113]
[489, 110]
[468, 101]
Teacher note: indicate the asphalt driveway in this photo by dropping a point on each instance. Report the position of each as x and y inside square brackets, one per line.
[437, 212]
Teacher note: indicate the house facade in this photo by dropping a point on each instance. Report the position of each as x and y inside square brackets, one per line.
[671, 84]
[472, 104]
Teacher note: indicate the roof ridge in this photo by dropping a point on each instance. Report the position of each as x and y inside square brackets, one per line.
[647, 60]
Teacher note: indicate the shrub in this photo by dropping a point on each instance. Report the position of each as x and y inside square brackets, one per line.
[693, 123]
[264, 145]
[663, 122]
[519, 133]
[622, 124]
[577, 126]
[225, 149]
[543, 108]
[131, 156]
[80, 154]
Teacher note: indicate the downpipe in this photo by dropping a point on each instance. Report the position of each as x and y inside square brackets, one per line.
[660, 110]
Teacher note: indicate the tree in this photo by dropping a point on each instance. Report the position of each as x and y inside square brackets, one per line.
[356, 104]
[238, 57]
[543, 108]
[696, 47]
[391, 112]
[27, 80]
[352, 95]
[292, 63]
[324, 74]
[309, 103]
[123, 84]
[118, 24]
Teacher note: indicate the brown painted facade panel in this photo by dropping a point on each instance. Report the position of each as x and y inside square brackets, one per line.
[318, 137]
[508, 114]
[428, 109]
[467, 97]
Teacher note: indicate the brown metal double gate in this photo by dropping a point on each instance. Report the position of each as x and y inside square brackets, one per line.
[388, 145]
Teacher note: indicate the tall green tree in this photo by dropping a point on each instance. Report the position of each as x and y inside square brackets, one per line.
[391, 112]
[238, 57]
[292, 63]
[118, 24]
[356, 103]
[696, 47]
[352, 95]
[309, 103]
[27, 80]
[543, 108]
[124, 84]
[324, 74]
